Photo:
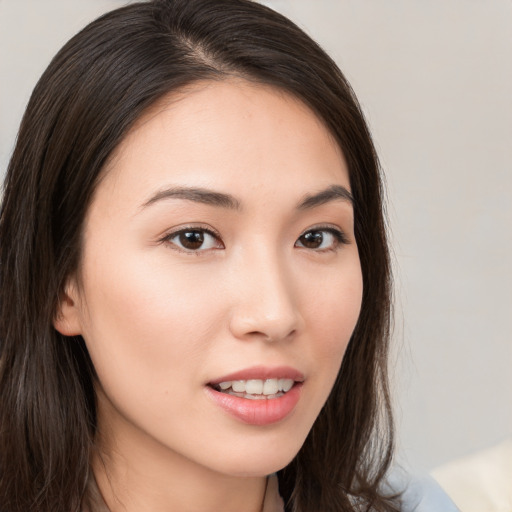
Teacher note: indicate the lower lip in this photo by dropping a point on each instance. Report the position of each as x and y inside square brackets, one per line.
[257, 412]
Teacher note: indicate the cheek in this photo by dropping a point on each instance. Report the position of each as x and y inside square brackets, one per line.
[143, 328]
[332, 314]
[334, 308]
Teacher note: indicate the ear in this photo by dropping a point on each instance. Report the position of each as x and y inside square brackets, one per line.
[67, 318]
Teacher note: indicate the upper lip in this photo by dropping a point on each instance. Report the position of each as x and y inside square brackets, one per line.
[262, 373]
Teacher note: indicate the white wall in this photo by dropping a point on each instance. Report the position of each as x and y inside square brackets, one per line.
[435, 79]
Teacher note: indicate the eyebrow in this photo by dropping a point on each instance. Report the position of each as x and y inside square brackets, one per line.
[198, 195]
[332, 193]
[220, 199]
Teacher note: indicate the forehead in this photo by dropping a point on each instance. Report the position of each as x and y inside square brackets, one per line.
[230, 132]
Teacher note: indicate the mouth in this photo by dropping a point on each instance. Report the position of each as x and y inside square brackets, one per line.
[258, 395]
[255, 389]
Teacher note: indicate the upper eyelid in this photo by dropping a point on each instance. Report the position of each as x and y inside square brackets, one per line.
[325, 227]
[320, 227]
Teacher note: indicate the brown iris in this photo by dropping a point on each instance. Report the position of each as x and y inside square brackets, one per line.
[312, 239]
[191, 239]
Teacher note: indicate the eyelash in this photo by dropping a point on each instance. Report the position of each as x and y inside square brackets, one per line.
[339, 238]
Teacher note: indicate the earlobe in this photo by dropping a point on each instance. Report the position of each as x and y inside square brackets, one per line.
[67, 316]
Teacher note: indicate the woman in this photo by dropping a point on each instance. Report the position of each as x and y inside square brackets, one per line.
[194, 273]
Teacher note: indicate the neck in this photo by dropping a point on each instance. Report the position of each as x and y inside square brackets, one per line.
[143, 492]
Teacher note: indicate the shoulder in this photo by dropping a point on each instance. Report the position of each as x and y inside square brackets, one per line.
[419, 493]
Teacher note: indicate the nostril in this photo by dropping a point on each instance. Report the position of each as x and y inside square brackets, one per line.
[270, 337]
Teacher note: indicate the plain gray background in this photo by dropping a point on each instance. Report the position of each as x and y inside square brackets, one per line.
[435, 81]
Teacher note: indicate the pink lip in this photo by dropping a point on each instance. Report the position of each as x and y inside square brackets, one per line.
[257, 412]
[262, 372]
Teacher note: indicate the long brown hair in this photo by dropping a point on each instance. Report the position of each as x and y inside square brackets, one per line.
[103, 80]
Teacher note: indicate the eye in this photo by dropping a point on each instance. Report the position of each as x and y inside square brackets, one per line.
[321, 239]
[194, 240]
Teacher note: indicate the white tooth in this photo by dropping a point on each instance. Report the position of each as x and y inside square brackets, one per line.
[238, 386]
[270, 387]
[254, 387]
[225, 385]
[285, 384]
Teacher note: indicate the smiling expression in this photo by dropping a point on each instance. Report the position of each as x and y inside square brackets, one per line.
[218, 258]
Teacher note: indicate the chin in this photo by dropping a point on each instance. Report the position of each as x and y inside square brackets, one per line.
[260, 460]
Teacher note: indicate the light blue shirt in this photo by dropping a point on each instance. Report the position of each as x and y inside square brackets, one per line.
[419, 493]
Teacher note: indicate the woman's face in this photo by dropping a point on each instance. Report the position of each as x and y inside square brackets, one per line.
[219, 247]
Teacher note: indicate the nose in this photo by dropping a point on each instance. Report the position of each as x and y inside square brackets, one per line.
[266, 305]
